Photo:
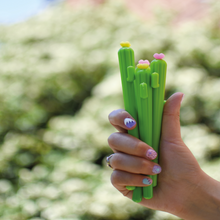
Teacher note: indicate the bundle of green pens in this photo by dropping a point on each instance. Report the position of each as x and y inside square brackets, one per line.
[143, 93]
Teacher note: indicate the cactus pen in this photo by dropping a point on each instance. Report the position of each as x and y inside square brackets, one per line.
[126, 64]
[159, 66]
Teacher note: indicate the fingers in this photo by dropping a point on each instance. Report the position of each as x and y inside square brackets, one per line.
[171, 123]
[122, 120]
[121, 179]
[121, 142]
[132, 164]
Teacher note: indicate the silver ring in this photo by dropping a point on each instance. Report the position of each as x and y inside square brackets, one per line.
[108, 161]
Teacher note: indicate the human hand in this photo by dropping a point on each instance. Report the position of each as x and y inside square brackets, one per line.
[181, 182]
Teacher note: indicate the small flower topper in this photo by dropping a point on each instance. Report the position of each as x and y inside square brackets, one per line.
[159, 56]
[144, 62]
[125, 44]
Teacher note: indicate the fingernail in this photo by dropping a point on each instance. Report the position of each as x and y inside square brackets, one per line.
[129, 123]
[182, 98]
[151, 154]
[156, 169]
[147, 181]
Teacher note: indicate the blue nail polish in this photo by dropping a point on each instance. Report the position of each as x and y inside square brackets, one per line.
[129, 123]
[147, 181]
[156, 169]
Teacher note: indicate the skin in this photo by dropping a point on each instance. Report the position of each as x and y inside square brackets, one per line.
[183, 188]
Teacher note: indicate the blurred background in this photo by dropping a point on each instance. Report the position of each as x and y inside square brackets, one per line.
[59, 80]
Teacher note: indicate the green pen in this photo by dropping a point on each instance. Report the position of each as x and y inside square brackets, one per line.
[126, 64]
[143, 94]
[159, 68]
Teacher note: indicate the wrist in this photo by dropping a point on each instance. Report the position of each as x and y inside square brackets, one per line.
[204, 202]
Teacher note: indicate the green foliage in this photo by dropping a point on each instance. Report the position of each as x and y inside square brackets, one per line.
[59, 80]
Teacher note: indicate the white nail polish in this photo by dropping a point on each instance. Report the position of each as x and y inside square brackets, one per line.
[129, 122]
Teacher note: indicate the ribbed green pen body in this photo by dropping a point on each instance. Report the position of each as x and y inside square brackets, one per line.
[143, 91]
[126, 63]
[160, 67]
[126, 59]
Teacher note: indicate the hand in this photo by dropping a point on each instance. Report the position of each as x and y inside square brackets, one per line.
[182, 184]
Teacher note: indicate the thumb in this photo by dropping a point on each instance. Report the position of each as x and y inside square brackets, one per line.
[171, 123]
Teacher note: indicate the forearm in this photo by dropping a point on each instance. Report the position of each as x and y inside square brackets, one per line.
[204, 202]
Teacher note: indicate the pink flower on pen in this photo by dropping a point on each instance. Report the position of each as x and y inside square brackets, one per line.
[144, 62]
[159, 56]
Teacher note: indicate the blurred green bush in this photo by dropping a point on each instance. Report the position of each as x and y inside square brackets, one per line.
[59, 80]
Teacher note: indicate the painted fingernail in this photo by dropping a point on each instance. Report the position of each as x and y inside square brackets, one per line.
[156, 169]
[129, 123]
[151, 154]
[147, 181]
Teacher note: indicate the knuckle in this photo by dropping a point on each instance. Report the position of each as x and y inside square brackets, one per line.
[111, 138]
[114, 139]
[115, 177]
[115, 160]
[143, 166]
[139, 148]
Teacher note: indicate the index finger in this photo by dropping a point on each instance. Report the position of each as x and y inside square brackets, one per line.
[122, 120]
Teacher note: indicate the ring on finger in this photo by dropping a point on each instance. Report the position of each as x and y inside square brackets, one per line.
[108, 161]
